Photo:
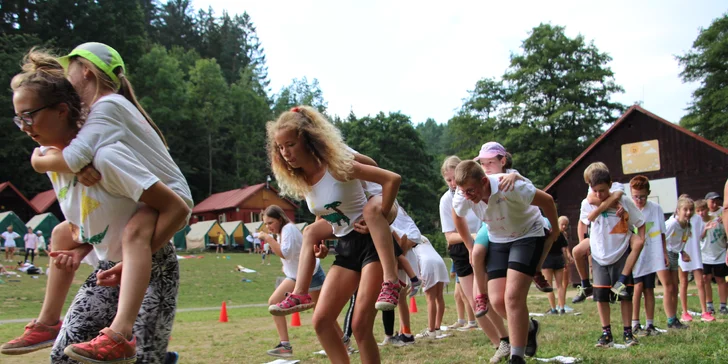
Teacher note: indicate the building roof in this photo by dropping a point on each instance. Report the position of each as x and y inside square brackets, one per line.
[625, 116]
[6, 185]
[42, 201]
[230, 199]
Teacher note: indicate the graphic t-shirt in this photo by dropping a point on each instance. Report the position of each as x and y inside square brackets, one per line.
[652, 258]
[675, 235]
[339, 203]
[713, 245]
[609, 237]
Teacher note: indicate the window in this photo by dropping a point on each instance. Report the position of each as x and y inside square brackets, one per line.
[222, 218]
[255, 217]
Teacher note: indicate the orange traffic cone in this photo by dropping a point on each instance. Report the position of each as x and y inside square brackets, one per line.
[296, 319]
[223, 313]
[413, 305]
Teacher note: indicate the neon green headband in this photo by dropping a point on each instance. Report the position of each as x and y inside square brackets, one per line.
[102, 56]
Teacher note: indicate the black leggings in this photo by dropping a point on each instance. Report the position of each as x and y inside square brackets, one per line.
[32, 255]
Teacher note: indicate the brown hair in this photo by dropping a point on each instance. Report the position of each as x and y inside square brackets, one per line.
[275, 212]
[103, 81]
[450, 163]
[591, 167]
[509, 161]
[468, 170]
[701, 204]
[640, 183]
[599, 176]
[43, 75]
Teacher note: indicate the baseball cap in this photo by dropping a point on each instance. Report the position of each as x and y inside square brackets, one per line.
[39, 232]
[491, 150]
[712, 196]
[107, 59]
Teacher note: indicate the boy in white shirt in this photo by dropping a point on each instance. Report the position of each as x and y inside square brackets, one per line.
[713, 252]
[609, 242]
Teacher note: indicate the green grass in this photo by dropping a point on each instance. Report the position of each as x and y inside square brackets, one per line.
[200, 338]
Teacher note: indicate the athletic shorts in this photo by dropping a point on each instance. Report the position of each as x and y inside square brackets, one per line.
[554, 261]
[606, 276]
[356, 250]
[482, 237]
[673, 259]
[648, 280]
[317, 280]
[717, 270]
[521, 255]
[9, 244]
[460, 259]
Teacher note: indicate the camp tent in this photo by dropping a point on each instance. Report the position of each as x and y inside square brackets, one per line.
[180, 238]
[10, 218]
[235, 232]
[201, 234]
[249, 229]
[45, 223]
[301, 225]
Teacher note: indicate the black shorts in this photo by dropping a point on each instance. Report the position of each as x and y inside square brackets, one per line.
[521, 255]
[356, 250]
[460, 259]
[648, 281]
[554, 261]
[717, 270]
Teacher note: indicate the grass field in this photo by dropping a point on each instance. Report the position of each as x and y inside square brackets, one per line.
[206, 282]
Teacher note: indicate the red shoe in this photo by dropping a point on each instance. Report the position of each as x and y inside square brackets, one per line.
[36, 336]
[292, 303]
[541, 283]
[108, 347]
[388, 296]
[481, 305]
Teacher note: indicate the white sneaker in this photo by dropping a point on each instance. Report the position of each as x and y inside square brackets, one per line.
[503, 352]
[456, 325]
[426, 334]
[392, 340]
[469, 327]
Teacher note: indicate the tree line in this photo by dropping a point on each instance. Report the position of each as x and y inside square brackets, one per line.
[203, 78]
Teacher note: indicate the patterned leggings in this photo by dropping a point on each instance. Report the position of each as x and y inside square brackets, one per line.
[94, 308]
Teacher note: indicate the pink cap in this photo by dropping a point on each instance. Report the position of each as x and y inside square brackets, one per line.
[491, 150]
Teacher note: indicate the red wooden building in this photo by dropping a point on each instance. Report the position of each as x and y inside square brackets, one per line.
[47, 202]
[243, 204]
[11, 199]
[675, 160]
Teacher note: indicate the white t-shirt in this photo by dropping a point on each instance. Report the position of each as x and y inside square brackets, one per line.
[10, 238]
[692, 246]
[446, 221]
[675, 235]
[713, 246]
[291, 241]
[339, 203]
[403, 224]
[652, 258]
[616, 186]
[31, 241]
[718, 213]
[99, 214]
[114, 119]
[509, 215]
[609, 237]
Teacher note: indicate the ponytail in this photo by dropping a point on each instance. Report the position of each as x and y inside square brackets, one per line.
[128, 92]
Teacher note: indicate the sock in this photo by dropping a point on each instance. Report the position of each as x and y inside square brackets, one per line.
[286, 343]
[671, 320]
[406, 330]
[635, 323]
[472, 323]
[627, 330]
[585, 283]
[462, 321]
[414, 279]
[506, 339]
[722, 305]
[518, 351]
[709, 304]
[650, 323]
[607, 329]
[622, 278]
[559, 308]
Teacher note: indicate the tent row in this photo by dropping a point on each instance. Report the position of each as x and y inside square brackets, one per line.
[203, 234]
[43, 222]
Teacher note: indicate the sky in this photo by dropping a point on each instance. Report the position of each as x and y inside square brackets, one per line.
[421, 57]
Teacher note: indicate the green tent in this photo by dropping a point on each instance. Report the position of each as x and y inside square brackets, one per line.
[202, 233]
[10, 218]
[301, 225]
[45, 223]
[180, 238]
[249, 229]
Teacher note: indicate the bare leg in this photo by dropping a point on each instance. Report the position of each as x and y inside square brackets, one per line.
[312, 234]
[278, 295]
[364, 313]
[431, 295]
[626, 307]
[669, 301]
[382, 237]
[560, 287]
[459, 302]
[516, 291]
[338, 287]
[549, 275]
[604, 313]
[684, 291]
[649, 304]
[580, 253]
[440, 300]
[708, 286]
[59, 281]
[698, 274]
[636, 243]
[637, 301]
[485, 322]
[404, 316]
[479, 271]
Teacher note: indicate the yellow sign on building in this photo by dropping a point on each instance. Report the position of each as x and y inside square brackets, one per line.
[641, 157]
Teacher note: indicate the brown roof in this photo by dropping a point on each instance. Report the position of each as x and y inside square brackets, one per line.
[7, 184]
[230, 199]
[633, 108]
[42, 201]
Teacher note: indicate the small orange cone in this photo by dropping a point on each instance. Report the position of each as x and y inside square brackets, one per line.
[296, 319]
[223, 313]
[413, 305]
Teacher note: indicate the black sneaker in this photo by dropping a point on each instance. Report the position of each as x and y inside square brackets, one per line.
[582, 293]
[651, 330]
[541, 283]
[281, 351]
[407, 339]
[514, 359]
[677, 325]
[723, 311]
[562, 312]
[172, 357]
[630, 340]
[637, 331]
[552, 311]
[532, 344]
[711, 309]
[605, 341]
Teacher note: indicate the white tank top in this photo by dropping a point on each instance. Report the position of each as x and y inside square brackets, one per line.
[339, 203]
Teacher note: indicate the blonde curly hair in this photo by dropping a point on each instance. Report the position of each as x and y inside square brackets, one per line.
[320, 137]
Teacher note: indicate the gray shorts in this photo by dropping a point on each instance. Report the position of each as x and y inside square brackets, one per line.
[673, 258]
[317, 281]
[605, 276]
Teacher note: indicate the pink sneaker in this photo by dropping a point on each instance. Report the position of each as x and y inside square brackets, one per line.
[36, 336]
[481, 305]
[108, 347]
[292, 303]
[388, 296]
[686, 317]
[707, 317]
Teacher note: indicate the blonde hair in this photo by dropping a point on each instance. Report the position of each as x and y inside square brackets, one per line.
[592, 167]
[450, 163]
[701, 204]
[103, 81]
[468, 170]
[43, 75]
[320, 137]
[683, 201]
[562, 219]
